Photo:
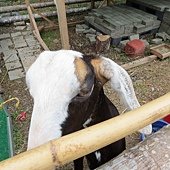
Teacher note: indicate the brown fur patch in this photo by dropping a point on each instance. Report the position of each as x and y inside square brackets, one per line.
[96, 63]
[81, 70]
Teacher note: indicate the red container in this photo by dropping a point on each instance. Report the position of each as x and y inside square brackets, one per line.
[167, 118]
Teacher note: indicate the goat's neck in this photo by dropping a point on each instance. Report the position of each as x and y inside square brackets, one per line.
[46, 122]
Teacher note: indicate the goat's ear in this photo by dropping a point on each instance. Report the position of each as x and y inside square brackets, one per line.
[85, 76]
[107, 70]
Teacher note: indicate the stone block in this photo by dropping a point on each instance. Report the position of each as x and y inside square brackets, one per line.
[138, 28]
[156, 41]
[10, 57]
[4, 36]
[90, 35]
[147, 22]
[135, 48]
[134, 36]
[5, 44]
[20, 23]
[13, 65]
[163, 35]
[27, 62]
[16, 74]
[19, 42]
[122, 44]
[16, 34]
[20, 28]
[27, 33]
[92, 40]
[85, 26]
[90, 31]
[79, 30]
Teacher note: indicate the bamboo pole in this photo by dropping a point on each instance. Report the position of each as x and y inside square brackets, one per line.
[60, 5]
[67, 148]
[8, 20]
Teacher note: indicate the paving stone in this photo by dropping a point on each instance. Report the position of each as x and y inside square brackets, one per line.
[13, 65]
[4, 36]
[26, 51]
[134, 36]
[79, 26]
[5, 43]
[27, 33]
[19, 42]
[20, 28]
[16, 34]
[16, 74]
[10, 57]
[20, 23]
[156, 41]
[27, 62]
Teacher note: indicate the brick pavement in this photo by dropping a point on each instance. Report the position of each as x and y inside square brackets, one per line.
[20, 49]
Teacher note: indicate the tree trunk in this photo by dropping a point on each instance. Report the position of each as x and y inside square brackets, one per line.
[8, 20]
[38, 5]
[102, 43]
[151, 154]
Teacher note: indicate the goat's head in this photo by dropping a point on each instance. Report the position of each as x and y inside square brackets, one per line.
[57, 78]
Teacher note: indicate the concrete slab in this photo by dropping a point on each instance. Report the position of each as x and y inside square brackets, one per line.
[4, 36]
[13, 65]
[16, 74]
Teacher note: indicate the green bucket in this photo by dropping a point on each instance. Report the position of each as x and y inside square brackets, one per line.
[6, 144]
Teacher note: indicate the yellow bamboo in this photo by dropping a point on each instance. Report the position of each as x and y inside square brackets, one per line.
[73, 146]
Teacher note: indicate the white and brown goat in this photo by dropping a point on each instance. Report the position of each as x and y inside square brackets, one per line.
[67, 88]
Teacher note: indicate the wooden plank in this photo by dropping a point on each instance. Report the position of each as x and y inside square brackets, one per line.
[60, 4]
[139, 62]
[152, 153]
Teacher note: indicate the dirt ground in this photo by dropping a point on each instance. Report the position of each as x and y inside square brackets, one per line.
[150, 82]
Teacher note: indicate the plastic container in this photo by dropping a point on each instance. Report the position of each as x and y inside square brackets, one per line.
[155, 127]
[6, 144]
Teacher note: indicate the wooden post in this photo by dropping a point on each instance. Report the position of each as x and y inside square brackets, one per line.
[102, 43]
[67, 148]
[152, 153]
[34, 26]
[60, 4]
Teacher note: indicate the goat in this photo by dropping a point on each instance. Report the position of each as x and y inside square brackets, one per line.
[67, 91]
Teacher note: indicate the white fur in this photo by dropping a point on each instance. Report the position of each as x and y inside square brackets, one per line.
[122, 83]
[52, 83]
[98, 156]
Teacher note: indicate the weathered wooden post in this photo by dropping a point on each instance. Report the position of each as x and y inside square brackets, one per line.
[60, 4]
